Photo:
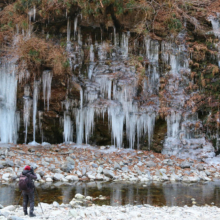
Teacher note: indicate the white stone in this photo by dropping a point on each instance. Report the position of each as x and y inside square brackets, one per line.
[48, 179]
[72, 178]
[58, 176]
[79, 196]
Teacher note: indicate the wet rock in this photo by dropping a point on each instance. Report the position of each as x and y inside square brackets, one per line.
[150, 164]
[185, 164]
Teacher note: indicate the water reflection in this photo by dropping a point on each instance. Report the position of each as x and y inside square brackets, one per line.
[157, 194]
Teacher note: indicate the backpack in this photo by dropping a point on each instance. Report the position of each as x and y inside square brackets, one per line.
[23, 183]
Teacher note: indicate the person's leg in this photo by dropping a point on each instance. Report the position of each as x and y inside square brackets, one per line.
[25, 202]
[31, 199]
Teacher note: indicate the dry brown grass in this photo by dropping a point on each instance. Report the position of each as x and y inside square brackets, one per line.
[38, 53]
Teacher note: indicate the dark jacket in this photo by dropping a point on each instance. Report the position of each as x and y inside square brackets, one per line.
[31, 176]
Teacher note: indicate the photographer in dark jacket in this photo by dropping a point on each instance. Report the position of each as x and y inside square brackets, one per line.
[28, 195]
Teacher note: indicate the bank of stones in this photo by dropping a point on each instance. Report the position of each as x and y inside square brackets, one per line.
[68, 163]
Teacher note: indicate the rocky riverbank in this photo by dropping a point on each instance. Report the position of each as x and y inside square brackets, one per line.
[86, 163]
[66, 212]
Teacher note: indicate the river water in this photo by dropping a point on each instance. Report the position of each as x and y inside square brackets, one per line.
[156, 194]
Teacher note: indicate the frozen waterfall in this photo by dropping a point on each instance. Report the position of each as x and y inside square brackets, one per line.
[8, 100]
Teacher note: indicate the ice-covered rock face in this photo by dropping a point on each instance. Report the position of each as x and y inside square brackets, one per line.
[9, 118]
[184, 137]
[109, 88]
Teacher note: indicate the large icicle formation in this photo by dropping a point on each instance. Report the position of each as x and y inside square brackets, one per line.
[47, 79]
[8, 99]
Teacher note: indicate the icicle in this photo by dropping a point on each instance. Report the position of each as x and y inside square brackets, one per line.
[68, 30]
[68, 128]
[124, 44]
[116, 120]
[8, 97]
[91, 53]
[79, 37]
[75, 26]
[34, 17]
[115, 40]
[35, 100]
[40, 115]
[105, 85]
[81, 98]
[152, 50]
[47, 79]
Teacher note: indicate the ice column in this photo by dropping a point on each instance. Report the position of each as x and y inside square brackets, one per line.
[35, 100]
[116, 120]
[8, 100]
[27, 109]
[124, 44]
[47, 79]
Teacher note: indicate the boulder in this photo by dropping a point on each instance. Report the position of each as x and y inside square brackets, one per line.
[100, 169]
[117, 166]
[185, 164]
[72, 178]
[108, 173]
[70, 160]
[79, 196]
[58, 176]
[67, 167]
[150, 164]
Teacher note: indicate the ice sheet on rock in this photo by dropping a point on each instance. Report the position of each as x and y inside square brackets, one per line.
[152, 50]
[215, 25]
[105, 83]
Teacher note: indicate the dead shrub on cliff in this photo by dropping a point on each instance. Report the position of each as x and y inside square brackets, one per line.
[36, 53]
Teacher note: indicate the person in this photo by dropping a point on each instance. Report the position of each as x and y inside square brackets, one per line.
[28, 194]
